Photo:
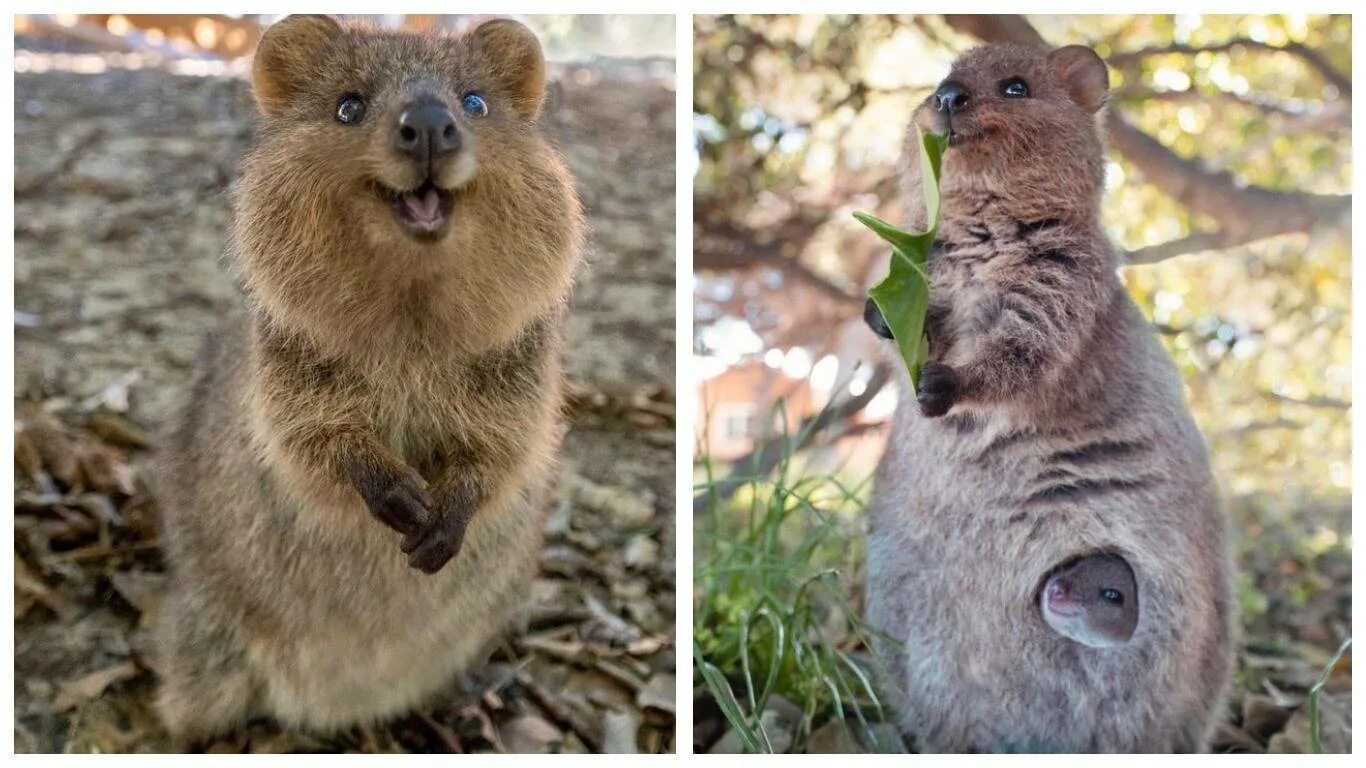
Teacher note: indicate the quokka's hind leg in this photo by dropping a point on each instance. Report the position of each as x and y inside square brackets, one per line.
[206, 688]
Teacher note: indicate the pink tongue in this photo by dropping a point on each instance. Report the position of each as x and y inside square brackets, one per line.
[425, 208]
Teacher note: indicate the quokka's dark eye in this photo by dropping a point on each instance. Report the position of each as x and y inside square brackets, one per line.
[1015, 88]
[1112, 596]
[474, 105]
[350, 109]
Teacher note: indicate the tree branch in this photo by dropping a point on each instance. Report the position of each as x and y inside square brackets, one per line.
[994, 28]
[1138, 93]
[1200, 241]
[1258, 426]
[1316, 401]
[1304, 53]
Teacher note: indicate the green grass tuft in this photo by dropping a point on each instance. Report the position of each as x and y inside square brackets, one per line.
[775, 564]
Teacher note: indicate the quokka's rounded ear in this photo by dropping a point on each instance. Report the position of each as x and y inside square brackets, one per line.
[513, 56]
[289, 53]
[1084, 74]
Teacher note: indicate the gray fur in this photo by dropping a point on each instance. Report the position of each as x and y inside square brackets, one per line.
[1069, 435]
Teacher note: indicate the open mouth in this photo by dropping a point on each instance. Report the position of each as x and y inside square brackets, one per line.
[424, 212]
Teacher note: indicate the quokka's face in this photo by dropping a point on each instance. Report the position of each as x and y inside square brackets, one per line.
[1005, 105]
[400, 129]
[1093, 601]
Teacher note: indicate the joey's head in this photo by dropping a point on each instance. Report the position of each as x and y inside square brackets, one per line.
[387, 157]
[1021, 118]
[1093, 600]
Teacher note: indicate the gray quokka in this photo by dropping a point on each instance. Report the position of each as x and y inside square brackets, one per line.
[1049, 426]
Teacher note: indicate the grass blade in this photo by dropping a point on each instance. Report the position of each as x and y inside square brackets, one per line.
[1315, 737]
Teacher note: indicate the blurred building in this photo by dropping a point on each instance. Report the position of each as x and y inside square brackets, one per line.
[738, 410]
[738, 407]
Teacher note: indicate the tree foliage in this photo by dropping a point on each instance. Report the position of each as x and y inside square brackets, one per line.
[1228, 190]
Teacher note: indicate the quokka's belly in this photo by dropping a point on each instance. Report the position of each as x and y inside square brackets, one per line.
[385, 637]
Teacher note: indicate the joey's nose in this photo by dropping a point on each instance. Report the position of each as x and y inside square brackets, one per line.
[950, 97]
[426, 130]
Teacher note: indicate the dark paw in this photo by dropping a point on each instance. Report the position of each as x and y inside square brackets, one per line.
[431, 550]
[873, 317]
[400, 501]
[938, 389]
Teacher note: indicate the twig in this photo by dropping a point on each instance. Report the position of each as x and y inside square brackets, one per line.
[560, 712]
[98, 551]
[620, 674]
[444, 733]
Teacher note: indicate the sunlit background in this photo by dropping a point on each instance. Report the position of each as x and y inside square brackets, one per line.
[209, 44]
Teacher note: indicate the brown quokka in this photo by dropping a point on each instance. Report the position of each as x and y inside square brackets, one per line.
[1049, 426]
[355, 492]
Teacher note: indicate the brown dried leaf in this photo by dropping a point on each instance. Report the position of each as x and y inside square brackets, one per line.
[115, 429]
[82, 689]
[105, 471]
[30, 588]
[27, 458]
[619, 733]
[1263, 717]
[530, 734]
[646, 646]
[1335, 728]
[641, 552]
[658, 693]
[54, 447]
[143, 590]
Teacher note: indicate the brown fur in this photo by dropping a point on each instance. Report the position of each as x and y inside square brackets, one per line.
[1049, 425]
[354, 494]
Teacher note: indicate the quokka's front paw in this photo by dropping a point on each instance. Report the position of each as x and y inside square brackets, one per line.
[429, 550]
[873, 317]
[399, 499]
[938, 389]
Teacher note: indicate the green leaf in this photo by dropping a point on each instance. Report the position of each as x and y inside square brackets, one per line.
[904, 295]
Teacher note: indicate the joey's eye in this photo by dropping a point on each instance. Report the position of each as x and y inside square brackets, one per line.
[1015, 88]
[350, 109]
[1112, 596]
[474, 105]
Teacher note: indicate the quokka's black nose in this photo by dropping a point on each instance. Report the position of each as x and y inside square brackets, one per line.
[950, 97]
[426, 130]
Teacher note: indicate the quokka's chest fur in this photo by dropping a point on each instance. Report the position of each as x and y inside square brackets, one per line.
[431, 410]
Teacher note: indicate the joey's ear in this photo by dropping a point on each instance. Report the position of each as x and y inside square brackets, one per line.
[289, 53]
[1083, 73]
[513, 56]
